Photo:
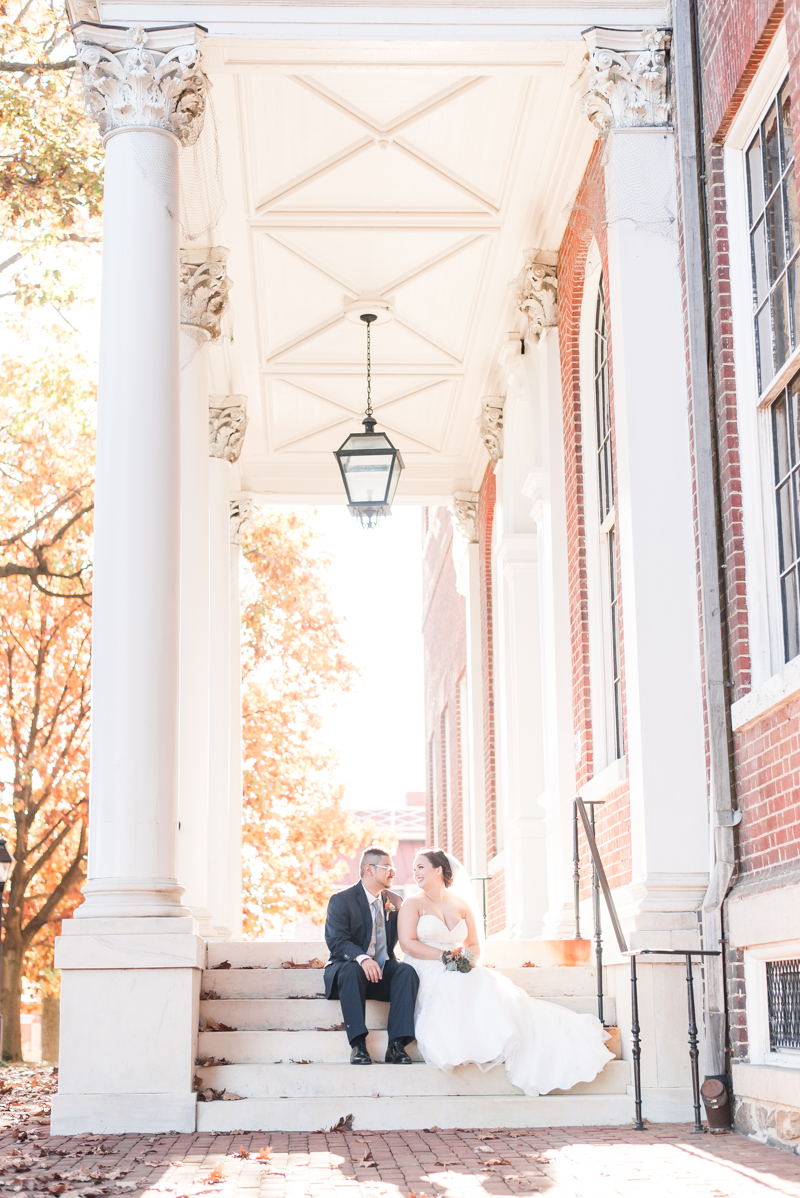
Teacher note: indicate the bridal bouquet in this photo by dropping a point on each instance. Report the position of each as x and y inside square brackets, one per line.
[460, 959]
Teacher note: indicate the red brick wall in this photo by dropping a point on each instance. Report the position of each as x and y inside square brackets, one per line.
[768, 783]
[733, 36]
[445, 645]
[496, 903]
[587, 221]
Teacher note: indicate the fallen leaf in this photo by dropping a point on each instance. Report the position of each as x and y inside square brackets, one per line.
[488, 1135]
[215, 1175]
[344, 1124]
[529, 965]
[227, 1096]
[301, 1062]
[264, 1154]
[496, 1160]
[222, 965]
[243, 1153]
[208, 995]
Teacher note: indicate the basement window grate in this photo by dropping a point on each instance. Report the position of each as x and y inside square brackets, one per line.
[783, 1001]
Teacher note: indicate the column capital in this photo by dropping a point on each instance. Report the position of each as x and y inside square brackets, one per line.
[536, 291]
[227, 425]
[204, 289]
[490, 425]
[140, 78]
[627, 77]
[242, 511]
[464, 509]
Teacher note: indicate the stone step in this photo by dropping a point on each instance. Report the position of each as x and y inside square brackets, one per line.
[300, 1014]
[365, 1114]
[384, 1081]
[545, 982]
[284, 1047]
[506, 954]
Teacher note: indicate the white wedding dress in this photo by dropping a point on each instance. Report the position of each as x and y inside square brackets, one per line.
[482, 1018]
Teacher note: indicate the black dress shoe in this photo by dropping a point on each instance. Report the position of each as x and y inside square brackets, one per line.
[359, 1054]
[396, 1054]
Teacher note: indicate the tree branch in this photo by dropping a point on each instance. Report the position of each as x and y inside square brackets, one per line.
[24, 67]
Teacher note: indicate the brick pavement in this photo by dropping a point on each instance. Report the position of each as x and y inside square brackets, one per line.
[665, 1160]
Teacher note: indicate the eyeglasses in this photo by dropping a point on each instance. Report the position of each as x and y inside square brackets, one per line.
[390, 869]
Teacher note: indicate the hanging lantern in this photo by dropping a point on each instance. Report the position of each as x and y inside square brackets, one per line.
[369, 463]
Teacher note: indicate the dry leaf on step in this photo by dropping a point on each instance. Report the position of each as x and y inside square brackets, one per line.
[496, 1160]
[243, 1154]
[222, 965]
[344, 1124]
[229, 1097]
[264, 1154]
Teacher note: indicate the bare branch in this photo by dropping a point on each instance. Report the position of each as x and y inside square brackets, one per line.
[26, 67]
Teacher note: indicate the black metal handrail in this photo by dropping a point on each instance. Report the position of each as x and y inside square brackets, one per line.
[600, 881]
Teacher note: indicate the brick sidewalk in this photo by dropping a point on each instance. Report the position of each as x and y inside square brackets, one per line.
[665, 1160]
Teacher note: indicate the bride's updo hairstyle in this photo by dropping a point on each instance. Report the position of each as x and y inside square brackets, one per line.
[438, 860]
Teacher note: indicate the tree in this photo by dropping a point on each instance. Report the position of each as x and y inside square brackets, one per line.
[46, 454]
[50, 155]
[296, 833]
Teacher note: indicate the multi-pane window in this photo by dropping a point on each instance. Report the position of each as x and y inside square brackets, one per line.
[773, 238]
[602, 402]
[785, 414]
[783, 1004]
[605, 483]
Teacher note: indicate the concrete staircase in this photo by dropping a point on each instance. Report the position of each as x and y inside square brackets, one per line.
[268, 1036]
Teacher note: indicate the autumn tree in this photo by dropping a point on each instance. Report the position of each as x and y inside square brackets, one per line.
[46, 456]
[50, 157]
[296, 833]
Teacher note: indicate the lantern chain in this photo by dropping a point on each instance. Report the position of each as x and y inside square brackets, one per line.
[369, 375]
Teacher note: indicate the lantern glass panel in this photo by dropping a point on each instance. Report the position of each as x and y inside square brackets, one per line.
[367, 477]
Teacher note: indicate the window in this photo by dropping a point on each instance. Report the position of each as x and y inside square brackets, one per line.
[785, 414]
[602, 402]
[783, 1005]
[605, 485]
[772, 217]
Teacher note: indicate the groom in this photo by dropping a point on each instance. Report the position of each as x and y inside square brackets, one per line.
[361, 933]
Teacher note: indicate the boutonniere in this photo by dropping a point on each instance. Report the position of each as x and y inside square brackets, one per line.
[389, 908]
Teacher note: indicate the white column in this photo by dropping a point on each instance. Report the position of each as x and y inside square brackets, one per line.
[204, 299]
[227, 424]
[130, 960]
[520, 774]
[545, 487]
[664, 707]
[240, 513]
[466, 556]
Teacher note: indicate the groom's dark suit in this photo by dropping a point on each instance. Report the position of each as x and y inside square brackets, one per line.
[348, 933]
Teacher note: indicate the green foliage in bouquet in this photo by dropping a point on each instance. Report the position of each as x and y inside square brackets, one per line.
[461, 960]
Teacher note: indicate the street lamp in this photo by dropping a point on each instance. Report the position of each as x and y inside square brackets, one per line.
[369, 463]
[6, 866]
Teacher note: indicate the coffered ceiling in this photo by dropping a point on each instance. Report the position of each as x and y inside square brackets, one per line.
[418, 180]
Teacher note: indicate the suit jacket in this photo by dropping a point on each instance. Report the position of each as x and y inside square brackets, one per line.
[348, 929]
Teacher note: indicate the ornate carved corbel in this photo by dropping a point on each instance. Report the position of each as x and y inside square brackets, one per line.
[227, 426]
[627, 76]
[242, 510]
[204, 289]
[134, 79]
[464, 510]
[536, 291]
[490, 425]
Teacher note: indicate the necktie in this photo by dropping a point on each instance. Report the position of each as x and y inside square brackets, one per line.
[379, 933]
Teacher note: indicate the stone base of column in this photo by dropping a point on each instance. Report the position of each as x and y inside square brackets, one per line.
[123, 898]
[130, 994]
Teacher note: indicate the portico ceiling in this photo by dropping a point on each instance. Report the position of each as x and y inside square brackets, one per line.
[414, 172]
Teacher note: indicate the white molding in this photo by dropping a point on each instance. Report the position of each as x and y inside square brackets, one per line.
[766, 1084]
[772, 694]
[497, 864]
[764, 919]
[766, 82]
[760, 533]
[602, 784]
[755, 980]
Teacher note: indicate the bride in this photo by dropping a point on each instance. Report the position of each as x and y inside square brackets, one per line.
[481, 1017]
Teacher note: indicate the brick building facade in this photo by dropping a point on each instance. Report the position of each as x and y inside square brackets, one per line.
[626, 568]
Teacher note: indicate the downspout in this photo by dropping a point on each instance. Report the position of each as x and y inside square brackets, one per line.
[697, 260]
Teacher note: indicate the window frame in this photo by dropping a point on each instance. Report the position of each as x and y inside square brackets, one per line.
[754, 420]
[760, 1050]
[608, 735]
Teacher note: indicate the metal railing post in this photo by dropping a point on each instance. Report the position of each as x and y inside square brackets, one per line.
[598, 931]
[576, 870]
[694, 1051]
[636, 1050]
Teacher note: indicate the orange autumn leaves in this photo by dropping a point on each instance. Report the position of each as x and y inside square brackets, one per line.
[295, 830]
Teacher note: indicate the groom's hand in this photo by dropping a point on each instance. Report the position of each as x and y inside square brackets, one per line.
[372, 969]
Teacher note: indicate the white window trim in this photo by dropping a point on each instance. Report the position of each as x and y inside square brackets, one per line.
[596, 538]
[755, 981]
[765, 614]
